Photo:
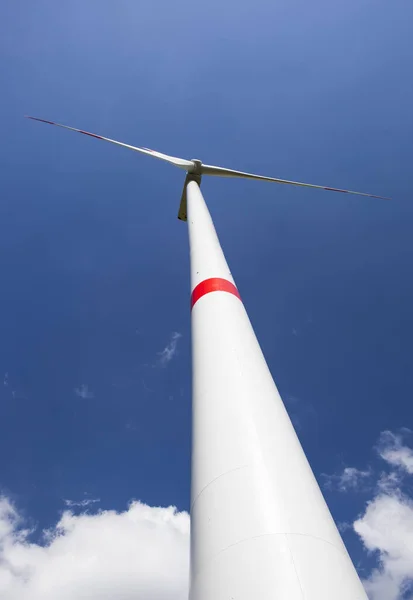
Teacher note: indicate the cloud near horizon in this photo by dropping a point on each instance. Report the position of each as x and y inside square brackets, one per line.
[139, 554]
[142, 553]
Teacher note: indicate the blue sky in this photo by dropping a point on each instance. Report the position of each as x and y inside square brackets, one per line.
[94, 263]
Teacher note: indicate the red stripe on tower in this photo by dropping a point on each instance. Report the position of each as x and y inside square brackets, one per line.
[215, 284]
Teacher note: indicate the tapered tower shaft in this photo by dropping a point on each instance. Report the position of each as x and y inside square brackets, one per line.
[260, 527]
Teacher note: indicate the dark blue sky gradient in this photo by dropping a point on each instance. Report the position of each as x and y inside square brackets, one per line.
[94, 264]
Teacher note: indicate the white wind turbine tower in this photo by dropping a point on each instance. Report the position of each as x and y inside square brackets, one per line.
[260, 527]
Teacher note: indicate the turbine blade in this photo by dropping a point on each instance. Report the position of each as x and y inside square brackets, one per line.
[222, 172]
[178, 162]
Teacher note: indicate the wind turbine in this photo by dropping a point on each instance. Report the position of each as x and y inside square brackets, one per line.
[260, 527]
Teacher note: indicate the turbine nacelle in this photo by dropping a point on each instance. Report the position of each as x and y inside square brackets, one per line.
[197, 166]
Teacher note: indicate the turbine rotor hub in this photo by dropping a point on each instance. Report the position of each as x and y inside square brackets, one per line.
[196, 170]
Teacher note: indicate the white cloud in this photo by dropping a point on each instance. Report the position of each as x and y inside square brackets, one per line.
[84, 392]
[351, 479]
[167, 354]
[139, 554]
[81, 503]
[387, 528]
[392, 450]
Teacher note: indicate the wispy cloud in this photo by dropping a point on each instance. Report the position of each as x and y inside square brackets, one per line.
[16, 394]
[389, 483]
[343, 526]
[148, 389]
[393, 451]
[84, 392]
[81, 503]
[168, 353]
[351, 479]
